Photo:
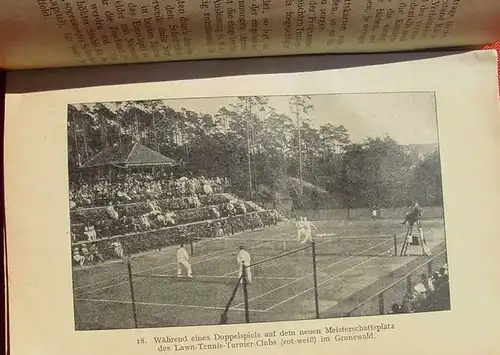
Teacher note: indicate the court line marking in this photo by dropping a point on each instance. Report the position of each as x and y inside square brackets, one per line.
[312, 273]
[163, 304]
[157, 267]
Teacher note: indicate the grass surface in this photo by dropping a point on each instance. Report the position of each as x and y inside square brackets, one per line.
[354, 261]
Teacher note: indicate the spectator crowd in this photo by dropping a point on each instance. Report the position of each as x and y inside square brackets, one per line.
[429, 294]
[139, 213]
[95, 250]
[151, 215]
[140, 187]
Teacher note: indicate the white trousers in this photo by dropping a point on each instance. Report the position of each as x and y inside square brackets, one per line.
[307, 236]
[301, 233]
[183, 263]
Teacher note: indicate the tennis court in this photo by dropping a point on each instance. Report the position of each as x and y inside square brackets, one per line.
[350, 257]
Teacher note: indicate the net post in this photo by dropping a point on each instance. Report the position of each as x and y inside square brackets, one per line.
[315, 276]
[381, 310]
[245, 292]
[223, 317]
[409, 285]
[132, 294]
[395, 245]
[190, 239]
[429, 268]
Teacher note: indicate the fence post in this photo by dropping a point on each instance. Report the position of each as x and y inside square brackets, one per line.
[381, 310]
[223, 317]
[159, 239]
[408, 284]
[191, 244]
[395, 245]
[245, 292]
[124, 244]
[132, 294]
[315, 276]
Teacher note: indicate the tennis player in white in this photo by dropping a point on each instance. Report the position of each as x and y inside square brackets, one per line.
[182, 262]
[307, 226]
[244, 259]
[300, 229]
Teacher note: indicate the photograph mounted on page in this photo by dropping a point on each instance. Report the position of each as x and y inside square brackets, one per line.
[251, 209]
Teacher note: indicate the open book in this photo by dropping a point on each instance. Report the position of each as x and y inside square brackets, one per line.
[327, 204]
[61, 33]
[265, 206]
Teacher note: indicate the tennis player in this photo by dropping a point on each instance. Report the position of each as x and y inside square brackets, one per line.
[300, 229]
[307, 226]
[244, 259]
[182, 262]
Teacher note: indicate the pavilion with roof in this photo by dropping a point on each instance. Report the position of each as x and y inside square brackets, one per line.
[128, 156]
[134, 157]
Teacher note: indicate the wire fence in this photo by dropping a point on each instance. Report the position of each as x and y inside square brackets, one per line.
[230, 298]
[339, 214]
[276, 250]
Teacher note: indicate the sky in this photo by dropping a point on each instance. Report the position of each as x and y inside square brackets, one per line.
[409, 118]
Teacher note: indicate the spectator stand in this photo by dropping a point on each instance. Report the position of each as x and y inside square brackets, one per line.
[141, 212]
[155, 240]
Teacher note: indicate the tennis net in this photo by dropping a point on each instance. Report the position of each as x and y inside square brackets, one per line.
[342, 246]
[358, 246]
[200, 246]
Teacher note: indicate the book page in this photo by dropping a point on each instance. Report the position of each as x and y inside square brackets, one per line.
[349, 210]
[60, 33]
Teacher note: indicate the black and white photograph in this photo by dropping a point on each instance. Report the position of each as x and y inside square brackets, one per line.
[249, 209]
